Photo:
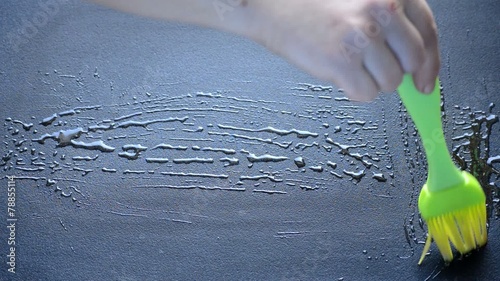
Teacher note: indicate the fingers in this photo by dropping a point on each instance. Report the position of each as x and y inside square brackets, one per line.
[420, 15]
[405, 41]
[410, 46]
[363, 47]
[358, 83]
[383, 66]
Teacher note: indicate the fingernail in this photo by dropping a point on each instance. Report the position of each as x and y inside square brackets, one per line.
[429, 88]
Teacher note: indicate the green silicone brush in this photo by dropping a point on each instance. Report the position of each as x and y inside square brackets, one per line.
[451, 202]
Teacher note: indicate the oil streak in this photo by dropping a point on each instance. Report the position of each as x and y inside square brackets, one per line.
[157, 160]
[107, 170]
[144, 124]
[355, 175]
[268, 141]
[303, 146]
[318, 169]
[96, 145]
[230, 161]
[260, 177]
[49, 120]
[127, 116]
[223, 150]
[26, 126]
[193, 160]
[344, 148]
[201, 175]
[269, 191]
[127, 215]
[63, 137]
[132, 151]
[298, 133]
[252, 158]
[36, 169]
[183, 187]
[168, 146]
[85, 171]
[134, 172]
[187, 109]
[85, 158]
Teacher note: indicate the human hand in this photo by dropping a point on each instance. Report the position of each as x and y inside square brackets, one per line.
[362, 46]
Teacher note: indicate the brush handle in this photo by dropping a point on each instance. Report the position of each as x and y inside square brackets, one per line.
[425, 110]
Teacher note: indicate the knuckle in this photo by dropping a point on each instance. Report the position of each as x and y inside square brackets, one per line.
[416, 59]
[392, 82]
[429, 33]
[378, 4]
[361, 94]
[389, 6]
[431, 39]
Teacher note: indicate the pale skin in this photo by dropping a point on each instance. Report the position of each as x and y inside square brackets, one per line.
[362, 46]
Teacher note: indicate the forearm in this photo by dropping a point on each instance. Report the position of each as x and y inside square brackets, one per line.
[236, 16]
[362, 46]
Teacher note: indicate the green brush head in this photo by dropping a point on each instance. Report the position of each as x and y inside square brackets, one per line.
[457, 215]
[465, 194]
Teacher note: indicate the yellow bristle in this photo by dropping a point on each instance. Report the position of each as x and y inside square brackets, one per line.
[427, 246]
[465, 229]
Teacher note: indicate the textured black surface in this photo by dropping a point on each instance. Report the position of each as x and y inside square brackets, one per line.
[78, 222]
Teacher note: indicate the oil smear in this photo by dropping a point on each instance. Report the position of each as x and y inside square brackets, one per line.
[207, 141]
[472, 152]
